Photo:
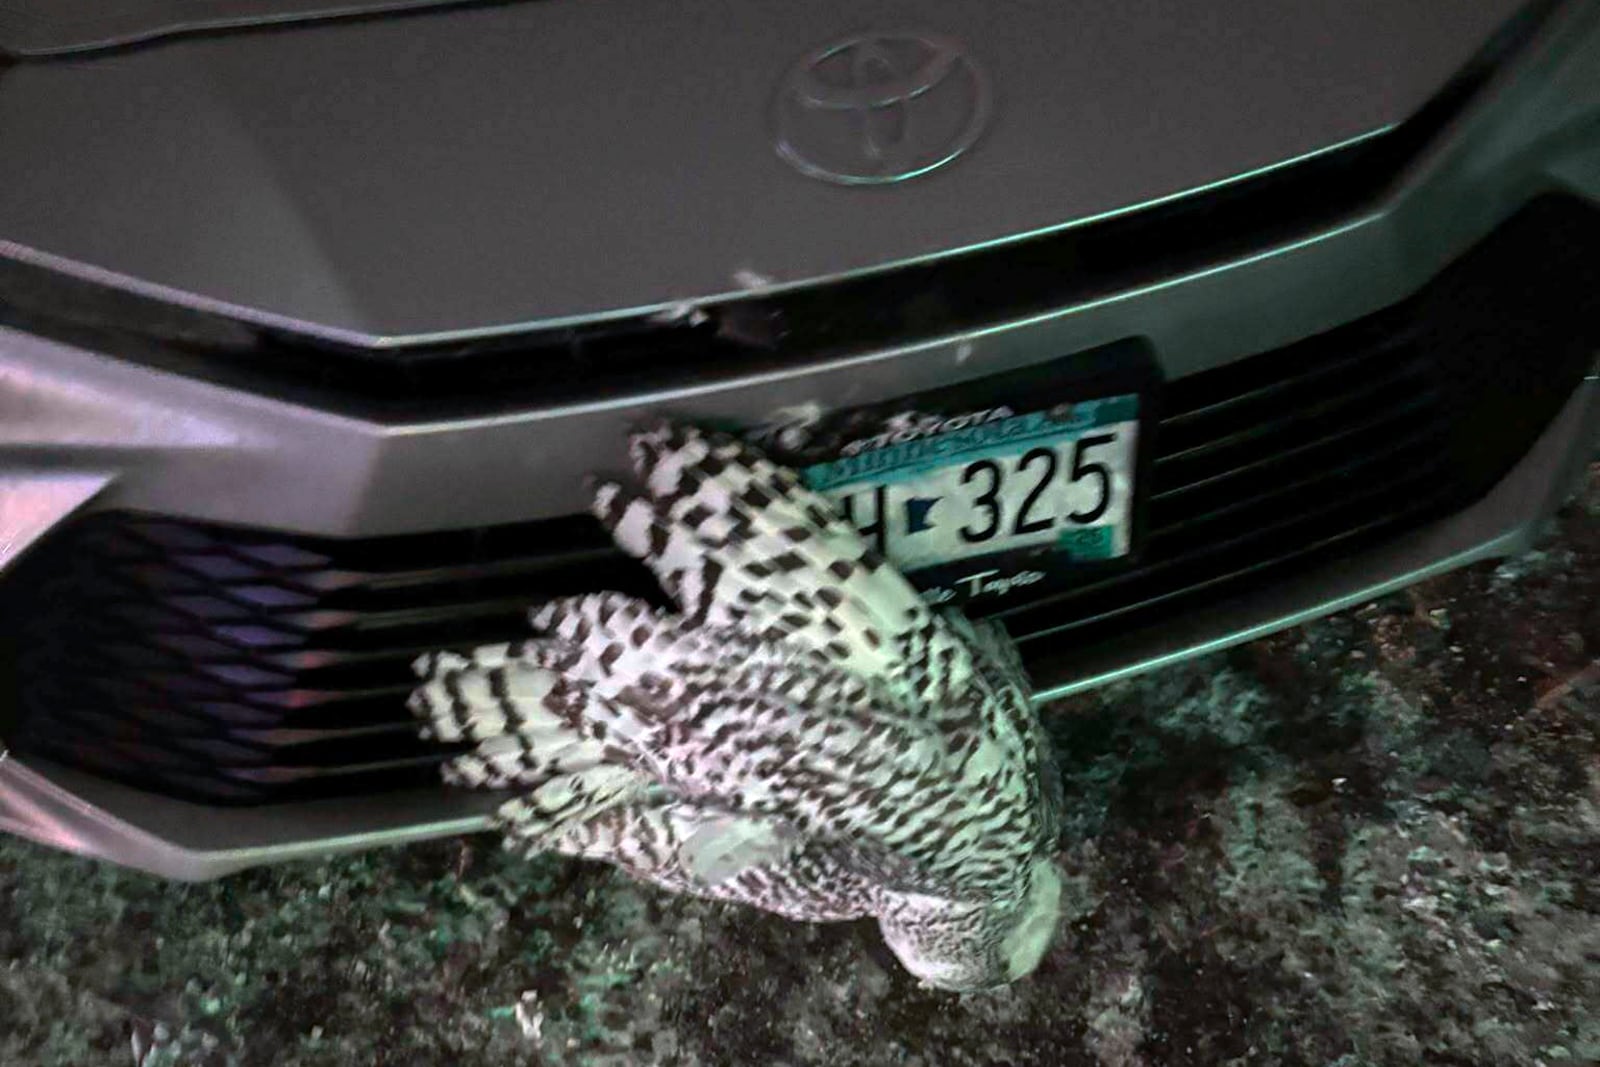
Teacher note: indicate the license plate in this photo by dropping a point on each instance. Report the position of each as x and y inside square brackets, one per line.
[979, 503]
[1061, 479]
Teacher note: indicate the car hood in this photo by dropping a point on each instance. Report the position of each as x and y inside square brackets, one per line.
[483, 168]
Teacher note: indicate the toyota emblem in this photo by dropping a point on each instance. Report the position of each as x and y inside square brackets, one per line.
[879, 108]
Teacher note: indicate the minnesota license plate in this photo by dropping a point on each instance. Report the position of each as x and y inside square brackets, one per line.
[979, 503]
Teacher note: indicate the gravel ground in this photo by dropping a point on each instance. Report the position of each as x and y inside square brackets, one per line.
[1372, 840]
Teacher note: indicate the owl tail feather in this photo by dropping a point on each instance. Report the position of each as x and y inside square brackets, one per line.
[527, 721]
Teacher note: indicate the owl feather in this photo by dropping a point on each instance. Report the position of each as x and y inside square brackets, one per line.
[803, 734]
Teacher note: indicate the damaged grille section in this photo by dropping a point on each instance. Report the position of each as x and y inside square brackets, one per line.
[246, 666]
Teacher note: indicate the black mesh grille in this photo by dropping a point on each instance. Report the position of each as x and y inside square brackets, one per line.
[246, 666]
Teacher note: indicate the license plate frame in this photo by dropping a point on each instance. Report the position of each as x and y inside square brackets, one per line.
[1041, 406]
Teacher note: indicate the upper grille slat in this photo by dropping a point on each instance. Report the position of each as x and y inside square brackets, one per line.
[1296, 528]
[1091, 616]
[1285, 488]
[1287, 427]
[244, 666]
[1185, 414]
[1398, 423]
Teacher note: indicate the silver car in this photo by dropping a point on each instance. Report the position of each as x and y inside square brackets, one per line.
[1147, 328]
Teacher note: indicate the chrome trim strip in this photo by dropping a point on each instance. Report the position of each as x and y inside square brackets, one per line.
[65, 809]
[33, 502]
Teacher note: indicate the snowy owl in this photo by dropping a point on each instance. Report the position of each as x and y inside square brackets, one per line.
[804, 734]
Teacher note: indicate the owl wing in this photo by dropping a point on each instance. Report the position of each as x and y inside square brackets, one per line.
[740, 543]
[583, 788]
[724, 722]
[690, 766]
[804, 690]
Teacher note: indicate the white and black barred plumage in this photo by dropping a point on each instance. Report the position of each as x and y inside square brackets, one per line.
[804, 735]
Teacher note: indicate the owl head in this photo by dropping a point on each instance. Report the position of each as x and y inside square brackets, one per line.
[966, 946]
